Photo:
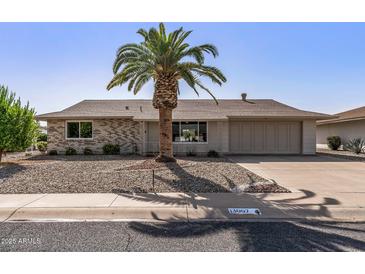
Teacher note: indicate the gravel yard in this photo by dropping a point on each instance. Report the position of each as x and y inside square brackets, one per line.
[105, 174]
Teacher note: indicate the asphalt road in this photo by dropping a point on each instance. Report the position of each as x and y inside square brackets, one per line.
[134, 236]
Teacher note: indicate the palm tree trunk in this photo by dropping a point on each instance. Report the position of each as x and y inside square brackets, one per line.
[1, 154]
[166, 153]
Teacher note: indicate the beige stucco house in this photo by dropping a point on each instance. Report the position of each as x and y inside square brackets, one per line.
[348, 125]
[232, 127]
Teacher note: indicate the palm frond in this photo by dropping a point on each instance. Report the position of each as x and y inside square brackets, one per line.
[207, 90]
[209, 48]
[182, 36]
[174, 35]
[143, 33]
[162, 31]
[141, 80]
[212, 72]
[189, 79]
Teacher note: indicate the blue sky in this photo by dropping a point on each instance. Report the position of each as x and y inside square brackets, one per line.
[313, 66]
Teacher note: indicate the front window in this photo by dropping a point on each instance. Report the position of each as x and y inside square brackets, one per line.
[189, 131]
[79, 130]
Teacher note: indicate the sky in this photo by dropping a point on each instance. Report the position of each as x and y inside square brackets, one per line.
[312, 66]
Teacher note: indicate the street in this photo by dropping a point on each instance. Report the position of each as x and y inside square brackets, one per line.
[218, 236]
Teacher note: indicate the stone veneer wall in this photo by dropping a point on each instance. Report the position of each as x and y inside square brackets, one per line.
[125, 132]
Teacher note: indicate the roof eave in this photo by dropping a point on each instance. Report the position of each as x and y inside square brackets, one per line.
[336, 121]
[179, 119]
[45, 118]
[299, 117]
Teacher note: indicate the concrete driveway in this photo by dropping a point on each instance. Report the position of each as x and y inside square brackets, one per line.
[321, 186]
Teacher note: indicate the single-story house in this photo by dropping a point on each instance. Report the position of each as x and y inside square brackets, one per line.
[255, 126]
[348, 125]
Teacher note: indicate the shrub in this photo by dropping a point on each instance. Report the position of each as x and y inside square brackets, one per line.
[18, 127]
[42, 146]
[356, 145]
[334, 142]
[42, 137]
[52, 152]
[213, 154]
[191, 153]
[70, 151]
[110, 149]
[134, 148]
[88, 151]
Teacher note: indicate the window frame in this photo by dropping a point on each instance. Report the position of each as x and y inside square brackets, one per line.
[79, 121]
[191, 121]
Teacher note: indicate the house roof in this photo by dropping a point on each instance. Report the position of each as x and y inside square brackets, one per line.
[186, 110]
[346, 116]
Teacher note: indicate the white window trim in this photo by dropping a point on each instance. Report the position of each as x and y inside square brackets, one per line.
[190, 143]
[79, 121]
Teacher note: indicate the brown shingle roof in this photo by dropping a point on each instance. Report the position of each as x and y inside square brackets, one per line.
[350, 115]
[186, 110]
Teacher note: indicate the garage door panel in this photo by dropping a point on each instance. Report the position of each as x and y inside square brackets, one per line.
[235, 136]
[270, 137]
[259, 137]
[295, 137]
[246, 136]
[283, 137]
[265, 137]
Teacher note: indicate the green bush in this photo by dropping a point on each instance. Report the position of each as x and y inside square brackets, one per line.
[18, 127]
[110, 149]
[52, 152]
[334, 142]
[70, 151]
[88, 151]
[213, 154]
[42, 137]
[356, 145]
[42, 146]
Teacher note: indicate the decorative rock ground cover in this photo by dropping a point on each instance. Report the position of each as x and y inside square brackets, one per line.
[125, 174]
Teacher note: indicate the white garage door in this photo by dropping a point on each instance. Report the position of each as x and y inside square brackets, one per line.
[265, 137]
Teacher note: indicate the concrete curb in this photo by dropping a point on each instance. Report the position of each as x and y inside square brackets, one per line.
[161, 207]
[141, 215]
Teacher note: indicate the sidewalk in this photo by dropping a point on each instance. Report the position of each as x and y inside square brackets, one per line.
[167, 207]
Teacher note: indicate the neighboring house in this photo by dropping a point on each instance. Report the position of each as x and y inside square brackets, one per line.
[348, 125]
[232, 127]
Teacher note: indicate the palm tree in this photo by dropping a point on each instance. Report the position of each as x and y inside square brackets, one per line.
[166, 59]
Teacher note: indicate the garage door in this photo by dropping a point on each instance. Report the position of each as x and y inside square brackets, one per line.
[265, 137]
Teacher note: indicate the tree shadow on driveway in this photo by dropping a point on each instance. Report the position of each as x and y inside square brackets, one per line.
[296, 206]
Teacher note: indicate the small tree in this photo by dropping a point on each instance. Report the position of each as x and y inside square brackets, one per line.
[18, 128]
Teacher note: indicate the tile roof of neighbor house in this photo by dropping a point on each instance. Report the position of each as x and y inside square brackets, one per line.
[186, 110]
[346, 116]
